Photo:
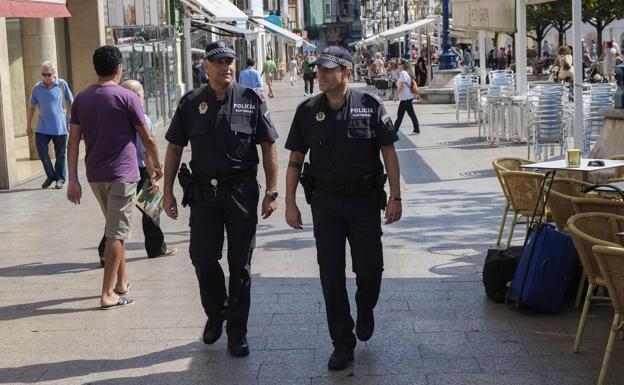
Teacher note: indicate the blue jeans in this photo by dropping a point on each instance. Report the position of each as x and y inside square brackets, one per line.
[59, 171]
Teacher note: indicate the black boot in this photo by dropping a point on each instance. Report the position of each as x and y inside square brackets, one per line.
[365, 325]
[238, 347]
[340, 358]
[213, 330]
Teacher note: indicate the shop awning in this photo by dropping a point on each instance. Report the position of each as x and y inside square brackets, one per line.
[279, 30]
[365, 42]
[405, 28]
[34, 8]
[246, 33]
[217, 11]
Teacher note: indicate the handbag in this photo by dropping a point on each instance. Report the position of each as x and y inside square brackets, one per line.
[414, 87]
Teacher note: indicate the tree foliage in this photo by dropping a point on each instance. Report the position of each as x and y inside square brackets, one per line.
[601, 13]
[560, 16]
[538, 21]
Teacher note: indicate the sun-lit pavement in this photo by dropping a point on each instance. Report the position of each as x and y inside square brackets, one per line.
[434, 324]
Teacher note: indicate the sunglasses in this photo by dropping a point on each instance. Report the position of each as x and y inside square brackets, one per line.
[46, 75]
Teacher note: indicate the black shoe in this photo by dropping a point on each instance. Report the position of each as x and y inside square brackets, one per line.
[340, 358]
[238, 347]
[365, 325]
[46, 183]
[213, 330]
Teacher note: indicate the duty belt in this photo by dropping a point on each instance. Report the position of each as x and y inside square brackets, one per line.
[366, 184]
[227, 180]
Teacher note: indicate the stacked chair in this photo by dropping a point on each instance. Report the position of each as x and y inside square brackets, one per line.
[550, 119]
[466, 96]
[596, 98]
[499, 98]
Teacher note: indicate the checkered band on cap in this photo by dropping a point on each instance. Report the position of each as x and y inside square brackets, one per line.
[217, 50]
[335, 59]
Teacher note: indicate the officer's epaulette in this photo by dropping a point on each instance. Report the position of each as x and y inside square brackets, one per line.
[259, 93]
[373, 96]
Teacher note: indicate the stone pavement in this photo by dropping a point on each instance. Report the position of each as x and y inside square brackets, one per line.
[434, 324]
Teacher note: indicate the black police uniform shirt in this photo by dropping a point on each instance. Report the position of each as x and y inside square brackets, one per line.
[222, 133]
[344, 144]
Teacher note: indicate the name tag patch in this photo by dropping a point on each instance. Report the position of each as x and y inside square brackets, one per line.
[361, 112]
[246, 108]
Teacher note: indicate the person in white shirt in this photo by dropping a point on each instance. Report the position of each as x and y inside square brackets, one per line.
[608, 55]
[293, 69]
[406, 97]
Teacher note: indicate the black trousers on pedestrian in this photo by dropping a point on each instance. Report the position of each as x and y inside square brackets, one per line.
[356, 219]
[233, 209]
[153, 236]
[406, 106]
[308, 83]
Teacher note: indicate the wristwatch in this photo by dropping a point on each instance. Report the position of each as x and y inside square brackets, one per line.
[272, 194]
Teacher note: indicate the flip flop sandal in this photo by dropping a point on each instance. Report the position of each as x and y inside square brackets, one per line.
[122, 301]
[116, 291]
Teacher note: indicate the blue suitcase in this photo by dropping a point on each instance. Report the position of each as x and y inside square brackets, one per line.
[545, 270]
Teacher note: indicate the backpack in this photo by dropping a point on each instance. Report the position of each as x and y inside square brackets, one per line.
[498, 270]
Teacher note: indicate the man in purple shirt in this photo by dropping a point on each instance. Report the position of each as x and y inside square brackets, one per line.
[109, 117]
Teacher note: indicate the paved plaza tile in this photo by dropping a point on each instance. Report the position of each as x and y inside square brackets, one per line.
[434, 324]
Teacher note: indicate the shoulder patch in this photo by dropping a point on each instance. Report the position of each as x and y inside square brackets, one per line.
[259, 93]
[373, 96]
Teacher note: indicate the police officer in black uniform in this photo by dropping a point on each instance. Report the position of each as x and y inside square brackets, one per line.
[345, 130]
[223, 121]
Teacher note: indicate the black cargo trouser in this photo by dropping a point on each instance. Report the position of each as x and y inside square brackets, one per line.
[355, 218]
[233, 209]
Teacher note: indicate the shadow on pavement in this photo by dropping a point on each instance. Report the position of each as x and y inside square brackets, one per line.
[36, 309]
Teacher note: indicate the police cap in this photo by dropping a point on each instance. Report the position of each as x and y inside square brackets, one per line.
[333, 56]
[219, 50]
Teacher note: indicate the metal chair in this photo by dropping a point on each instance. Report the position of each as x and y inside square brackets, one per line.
[549, 119]
[596, 98]
[466, 95]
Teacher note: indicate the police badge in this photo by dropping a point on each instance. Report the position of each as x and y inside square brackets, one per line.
[203, 107]
[320, 116]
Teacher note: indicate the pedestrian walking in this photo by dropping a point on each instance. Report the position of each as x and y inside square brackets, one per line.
[249, 77]
[268, 71]
[223, 121]
[344, 129]
[406, 96]
[108, 118]
[309, 74]
[50, 95]
[155, 245]
[293, 69]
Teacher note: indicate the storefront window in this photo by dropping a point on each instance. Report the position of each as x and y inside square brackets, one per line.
[148, 50]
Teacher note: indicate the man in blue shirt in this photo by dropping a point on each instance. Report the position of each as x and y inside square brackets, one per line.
[249, 77]
[49, 95]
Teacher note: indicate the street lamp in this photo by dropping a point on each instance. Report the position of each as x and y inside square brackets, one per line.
[447, 58]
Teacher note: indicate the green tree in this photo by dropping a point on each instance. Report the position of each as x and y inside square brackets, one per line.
[600, 13]
[560, 16]
[538, 22]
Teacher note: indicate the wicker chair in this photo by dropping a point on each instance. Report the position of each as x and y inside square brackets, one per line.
[597, 205]
[562, 192]
[588, 230]
[506, 164]
[611, 263]
[524, 190]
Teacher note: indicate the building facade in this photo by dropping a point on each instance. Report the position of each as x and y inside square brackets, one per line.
[139, 27]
